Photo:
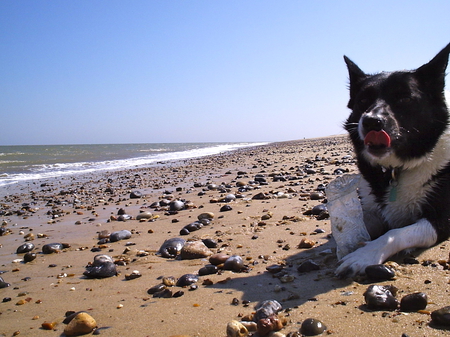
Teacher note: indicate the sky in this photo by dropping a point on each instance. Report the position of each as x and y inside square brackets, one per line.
[155, 71]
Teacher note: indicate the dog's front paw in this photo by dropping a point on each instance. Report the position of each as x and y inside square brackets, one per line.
[356, 262]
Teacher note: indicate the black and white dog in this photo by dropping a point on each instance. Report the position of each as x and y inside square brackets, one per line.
[398, 128]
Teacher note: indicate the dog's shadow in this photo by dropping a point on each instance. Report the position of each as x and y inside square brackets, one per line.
[290, 292]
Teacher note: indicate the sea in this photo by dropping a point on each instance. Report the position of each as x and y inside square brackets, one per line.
[33, 162]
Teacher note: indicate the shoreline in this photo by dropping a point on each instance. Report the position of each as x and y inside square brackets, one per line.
[264, 232]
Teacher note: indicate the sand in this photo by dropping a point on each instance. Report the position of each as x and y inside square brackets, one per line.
[73, 210]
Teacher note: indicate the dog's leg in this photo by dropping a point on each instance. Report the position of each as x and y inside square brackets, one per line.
[419, 235]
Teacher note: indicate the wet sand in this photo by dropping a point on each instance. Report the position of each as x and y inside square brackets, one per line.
[263, 232]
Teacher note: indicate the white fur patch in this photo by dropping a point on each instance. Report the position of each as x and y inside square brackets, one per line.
[420, 234]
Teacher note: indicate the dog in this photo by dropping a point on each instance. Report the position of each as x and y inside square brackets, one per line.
[398, 125]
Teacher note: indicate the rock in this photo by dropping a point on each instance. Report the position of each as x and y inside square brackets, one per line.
[234, 263]
[414, 302]
[381, 297]
[312, 327]
[187, 280]
[226, 208]
[50, 248]
[102, 267]
[176, 205]
[441, 316]
[194, 250]
[135, 195]
[25, 248]
[81, 324]
[120, 235]
[144, 215]
[206, 215]
[236, 329]
[379, 272]
[308, 266]
[3, 284]
[171, 247]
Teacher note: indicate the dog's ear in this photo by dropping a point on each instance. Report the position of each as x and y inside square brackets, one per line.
[432, 74]
[356, 77]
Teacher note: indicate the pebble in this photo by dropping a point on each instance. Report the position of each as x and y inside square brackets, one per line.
[379, 272]
[441, 316]
[209, 269]
[312, 327]
[171, 247]
[194, 250]
[28, 257]
[414, 302]
[205, 215]
[306, 243]
[226, 208]
[218, 258]
[82, 323]
[50, 248]
[236, 329]
[135, 195]
[381, 297]
[176, 205]
[187, 280]
[120, 235]
[25, 248]
[266, 309]
[144, 215]
[102, 267]
[3, 284]
[234, 263]
[307, 266]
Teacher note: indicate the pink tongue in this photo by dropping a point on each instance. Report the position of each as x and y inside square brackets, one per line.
[377, 138]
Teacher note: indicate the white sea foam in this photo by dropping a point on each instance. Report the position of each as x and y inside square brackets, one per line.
[43, 171]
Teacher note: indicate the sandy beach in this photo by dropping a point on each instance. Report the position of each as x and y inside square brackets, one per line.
[269, 223]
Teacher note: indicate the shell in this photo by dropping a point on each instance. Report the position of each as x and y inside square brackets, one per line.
[81, 324]
[171, 247]
[236, 329]
[50, 248]
[312, 327]
[25, 248]
[194, 250]
[381, 297]
[120, 235]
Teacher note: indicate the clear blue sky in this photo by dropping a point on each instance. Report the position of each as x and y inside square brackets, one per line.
[109, 71]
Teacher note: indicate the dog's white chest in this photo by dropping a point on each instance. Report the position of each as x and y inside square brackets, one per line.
[404, 200]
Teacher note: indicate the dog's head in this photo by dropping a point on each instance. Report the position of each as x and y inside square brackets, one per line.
[397, 117]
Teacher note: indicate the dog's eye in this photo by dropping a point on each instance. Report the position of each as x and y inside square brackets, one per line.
[363, 103]
[404, 100]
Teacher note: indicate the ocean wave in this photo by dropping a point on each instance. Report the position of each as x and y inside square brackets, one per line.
[43, 171]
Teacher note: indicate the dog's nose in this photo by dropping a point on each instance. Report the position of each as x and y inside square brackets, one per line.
[372, 123]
